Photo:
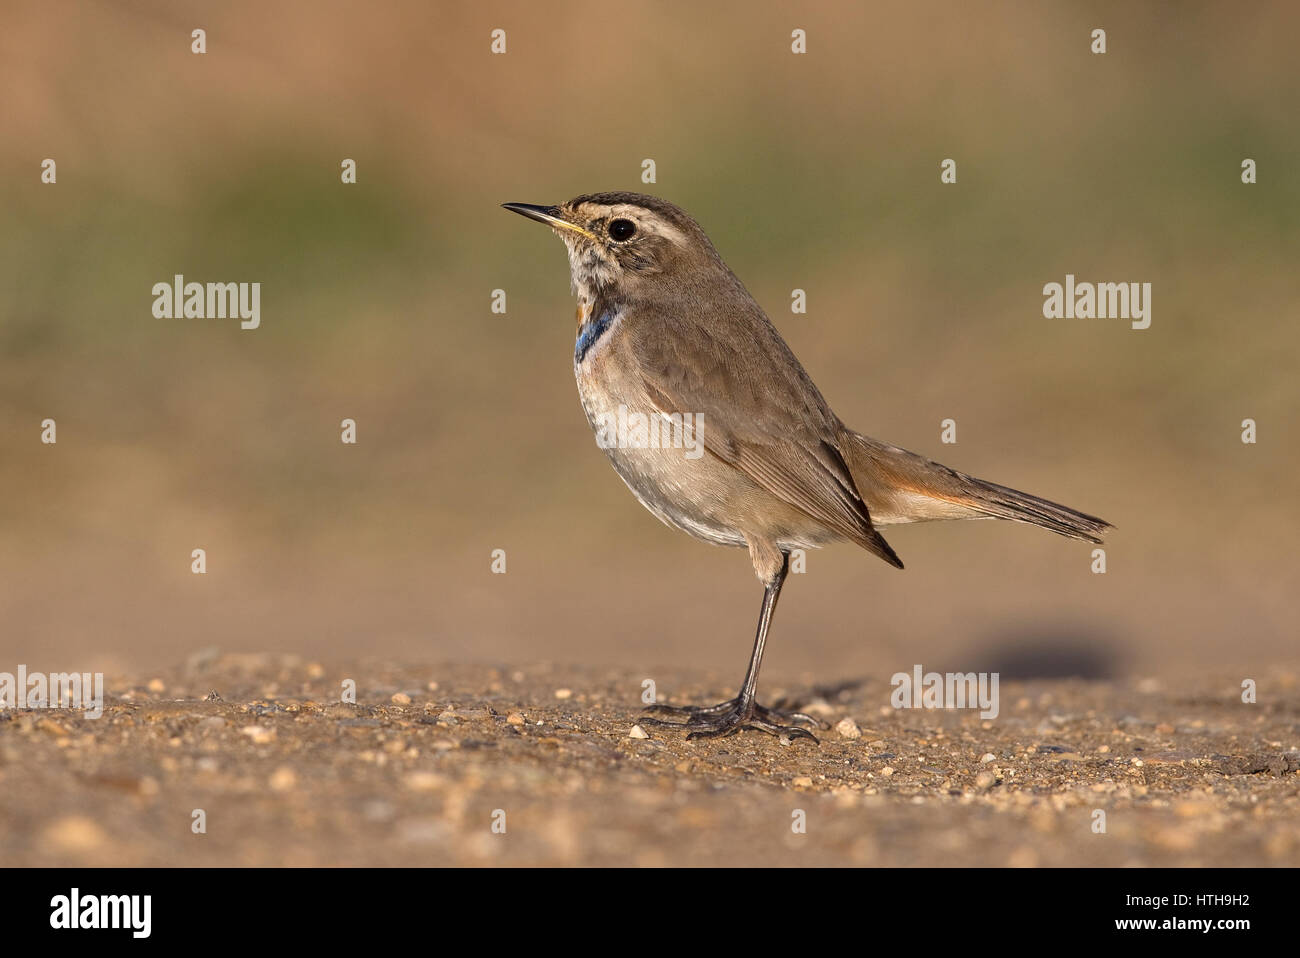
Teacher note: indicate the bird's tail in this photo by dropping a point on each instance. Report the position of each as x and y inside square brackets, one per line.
[999, 502]
[900, 486]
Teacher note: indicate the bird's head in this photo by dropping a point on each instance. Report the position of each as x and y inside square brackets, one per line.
[623, 244]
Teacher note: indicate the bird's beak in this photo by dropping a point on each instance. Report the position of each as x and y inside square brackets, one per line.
[550, 215]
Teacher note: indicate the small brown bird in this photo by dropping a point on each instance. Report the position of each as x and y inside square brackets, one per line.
[717, 429]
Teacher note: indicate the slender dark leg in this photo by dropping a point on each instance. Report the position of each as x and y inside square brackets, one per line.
[728, 718]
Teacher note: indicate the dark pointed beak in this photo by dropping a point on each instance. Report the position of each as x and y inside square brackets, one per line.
[550, 215]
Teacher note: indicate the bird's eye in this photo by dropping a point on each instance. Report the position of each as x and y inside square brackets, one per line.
[622, 230]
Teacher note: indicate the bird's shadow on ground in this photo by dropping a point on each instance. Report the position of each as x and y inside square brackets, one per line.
[1025, 655]
[1050, 653]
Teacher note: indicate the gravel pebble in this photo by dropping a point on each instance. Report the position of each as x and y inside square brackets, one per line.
[75, 833]
[847, 728]
[283, 779]
[423, 781]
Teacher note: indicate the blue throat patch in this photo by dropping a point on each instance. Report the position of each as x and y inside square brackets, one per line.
[589, 334]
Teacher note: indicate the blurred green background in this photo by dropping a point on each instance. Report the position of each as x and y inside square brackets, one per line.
[818, 171]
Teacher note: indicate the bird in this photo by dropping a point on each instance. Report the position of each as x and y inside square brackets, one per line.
[717, 429]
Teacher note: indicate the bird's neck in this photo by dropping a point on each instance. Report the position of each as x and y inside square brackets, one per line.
[593, 301]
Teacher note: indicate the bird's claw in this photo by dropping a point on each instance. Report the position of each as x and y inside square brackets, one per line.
[728, 718]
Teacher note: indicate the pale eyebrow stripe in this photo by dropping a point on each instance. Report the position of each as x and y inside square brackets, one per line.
[651, 220]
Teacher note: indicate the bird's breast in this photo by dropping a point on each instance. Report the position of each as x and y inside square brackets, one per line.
[659, 456]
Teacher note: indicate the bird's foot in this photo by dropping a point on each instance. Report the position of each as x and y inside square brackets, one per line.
[728, 718]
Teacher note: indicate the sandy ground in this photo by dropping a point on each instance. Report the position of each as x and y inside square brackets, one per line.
[432, 758]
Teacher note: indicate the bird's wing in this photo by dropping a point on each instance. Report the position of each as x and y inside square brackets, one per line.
[759, 412]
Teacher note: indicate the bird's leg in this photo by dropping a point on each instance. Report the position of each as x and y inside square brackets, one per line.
[727, 718]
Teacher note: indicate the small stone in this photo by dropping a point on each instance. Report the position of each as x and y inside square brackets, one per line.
[400, 698]
[75, 834]
[260, 734]
[514, 718]
[887, 771]
[637, 732]
[563, 693]
[423, 781]
[985, 780]
[212, 723]
[803, 781]
[987, 757]
[52, 727]
[847, 728]
[283, 779]
[156, 686]
[473, 714]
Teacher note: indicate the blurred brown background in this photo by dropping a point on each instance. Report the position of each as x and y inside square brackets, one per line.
[818, 171]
